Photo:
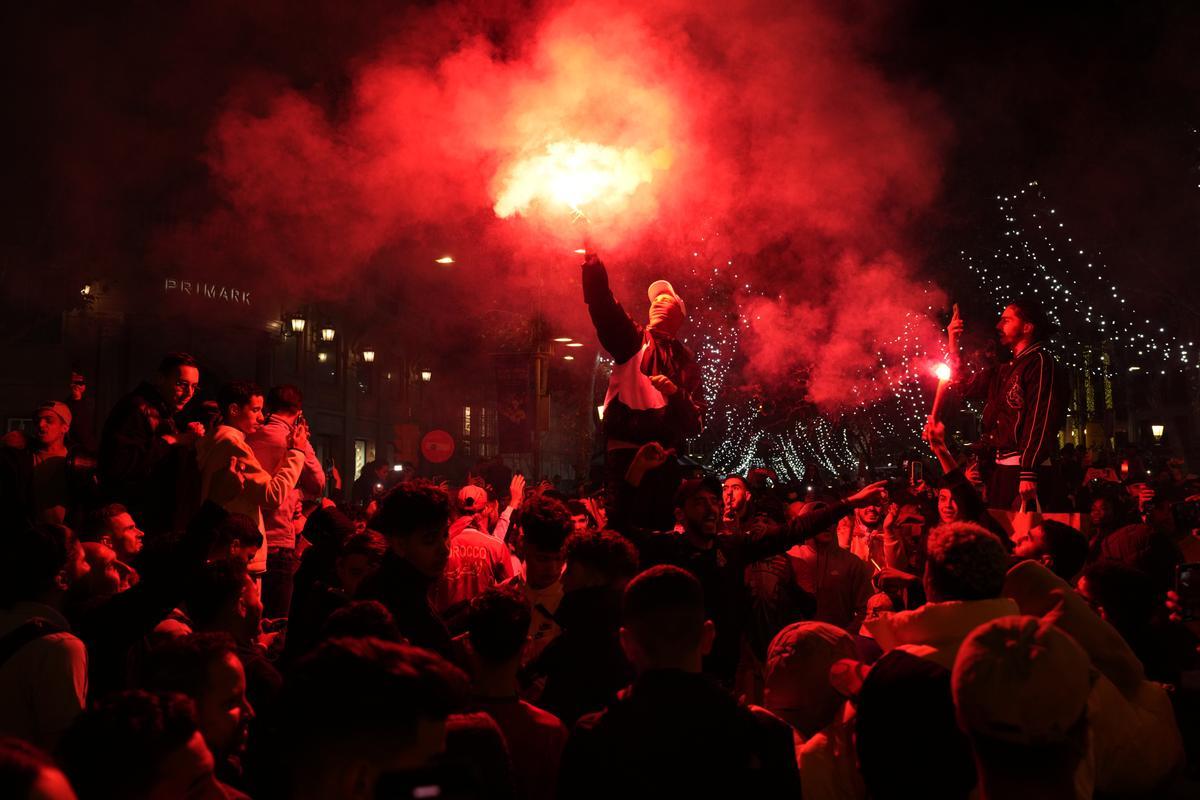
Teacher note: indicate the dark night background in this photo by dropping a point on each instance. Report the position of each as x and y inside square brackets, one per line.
[109, 106]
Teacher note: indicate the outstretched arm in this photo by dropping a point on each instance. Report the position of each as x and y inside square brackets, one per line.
[617, 331]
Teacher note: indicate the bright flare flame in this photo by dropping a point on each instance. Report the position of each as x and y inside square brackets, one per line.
[444, 260]
[942, 371]
[576, 175]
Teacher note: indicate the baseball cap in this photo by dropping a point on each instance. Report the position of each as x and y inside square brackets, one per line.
[1021, 680]
[661, 286]
[797, 671]
[472, 497]
[693, 486]
[58, 408]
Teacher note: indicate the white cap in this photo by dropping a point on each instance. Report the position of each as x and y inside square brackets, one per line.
[661, 286]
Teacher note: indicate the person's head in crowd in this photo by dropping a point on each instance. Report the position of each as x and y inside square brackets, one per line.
[964, 561]
[827, 537]
[795, 508]
[905, 732]
[699, 509]
[354, 710]
[473, 502]
[1104, 514]
[77, 386]
[51, 423]
[141, 746]
[176, 379]
[223, 597]
[871, 516]
[328, 527]
[113, 526]
[663, 624]
[27, 773]
[285, 402]
[415, 519]
[947, 507]
[235, 536]
[598, 559]
[1123, 596]
[497, 630]
[1022, 323]
[359, 556]
[545, 526]
[879, 604]
[103, 578]
[581, 518]
[1060, 547]
[241, 405]
[40, 564]
[667, 309]
[736, 495]
[768, 507]
[797, 685]
[1021, 689]
[361, 619]
[206, 668]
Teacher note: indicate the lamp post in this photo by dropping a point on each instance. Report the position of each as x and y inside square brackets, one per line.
[327, 333]
[1157, 431]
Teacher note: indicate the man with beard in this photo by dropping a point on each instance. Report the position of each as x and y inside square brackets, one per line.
[719, 559]
[862, 534]
[142, 452]
[1026, 406]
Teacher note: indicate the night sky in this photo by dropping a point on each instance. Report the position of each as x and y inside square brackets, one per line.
[112, 108]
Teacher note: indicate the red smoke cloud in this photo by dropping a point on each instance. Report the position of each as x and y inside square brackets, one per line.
[762, 120]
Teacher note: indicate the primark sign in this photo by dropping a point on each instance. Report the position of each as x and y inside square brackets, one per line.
[208, 291]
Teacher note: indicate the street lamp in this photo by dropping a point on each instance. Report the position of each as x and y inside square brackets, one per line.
[1157, 430]
[327, 333]
[426, 375]
[298, 322]
[368, 355]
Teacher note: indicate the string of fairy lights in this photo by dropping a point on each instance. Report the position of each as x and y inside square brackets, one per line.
[1037, 258]
[738, 430]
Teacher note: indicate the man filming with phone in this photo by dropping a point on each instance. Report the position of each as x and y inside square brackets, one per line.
[270, 443]
[231, 474]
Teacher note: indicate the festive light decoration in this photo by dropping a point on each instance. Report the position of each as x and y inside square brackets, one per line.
[745, 428]
[1038, 258]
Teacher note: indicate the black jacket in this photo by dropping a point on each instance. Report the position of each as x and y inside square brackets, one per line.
[677, 734]
[137, 467]
[405, 593]
[584, 666]
[721, 571]
[1026, 406]
[623, 339]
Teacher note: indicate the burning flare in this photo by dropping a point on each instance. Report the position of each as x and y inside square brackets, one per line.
[576, 175]
[942, 371]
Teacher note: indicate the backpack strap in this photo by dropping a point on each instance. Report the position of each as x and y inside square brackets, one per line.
[30, 631]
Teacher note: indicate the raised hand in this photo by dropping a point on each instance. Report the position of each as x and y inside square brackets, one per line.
[869, 495]
[516, 490]
[664, 384]
[954, 329]
[298, 439]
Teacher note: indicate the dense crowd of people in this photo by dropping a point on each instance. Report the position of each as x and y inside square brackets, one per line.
[186, 611]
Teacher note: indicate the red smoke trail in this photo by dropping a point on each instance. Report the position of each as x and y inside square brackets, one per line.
[762, 120]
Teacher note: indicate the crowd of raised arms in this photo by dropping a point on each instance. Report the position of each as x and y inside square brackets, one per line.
[191, 606]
